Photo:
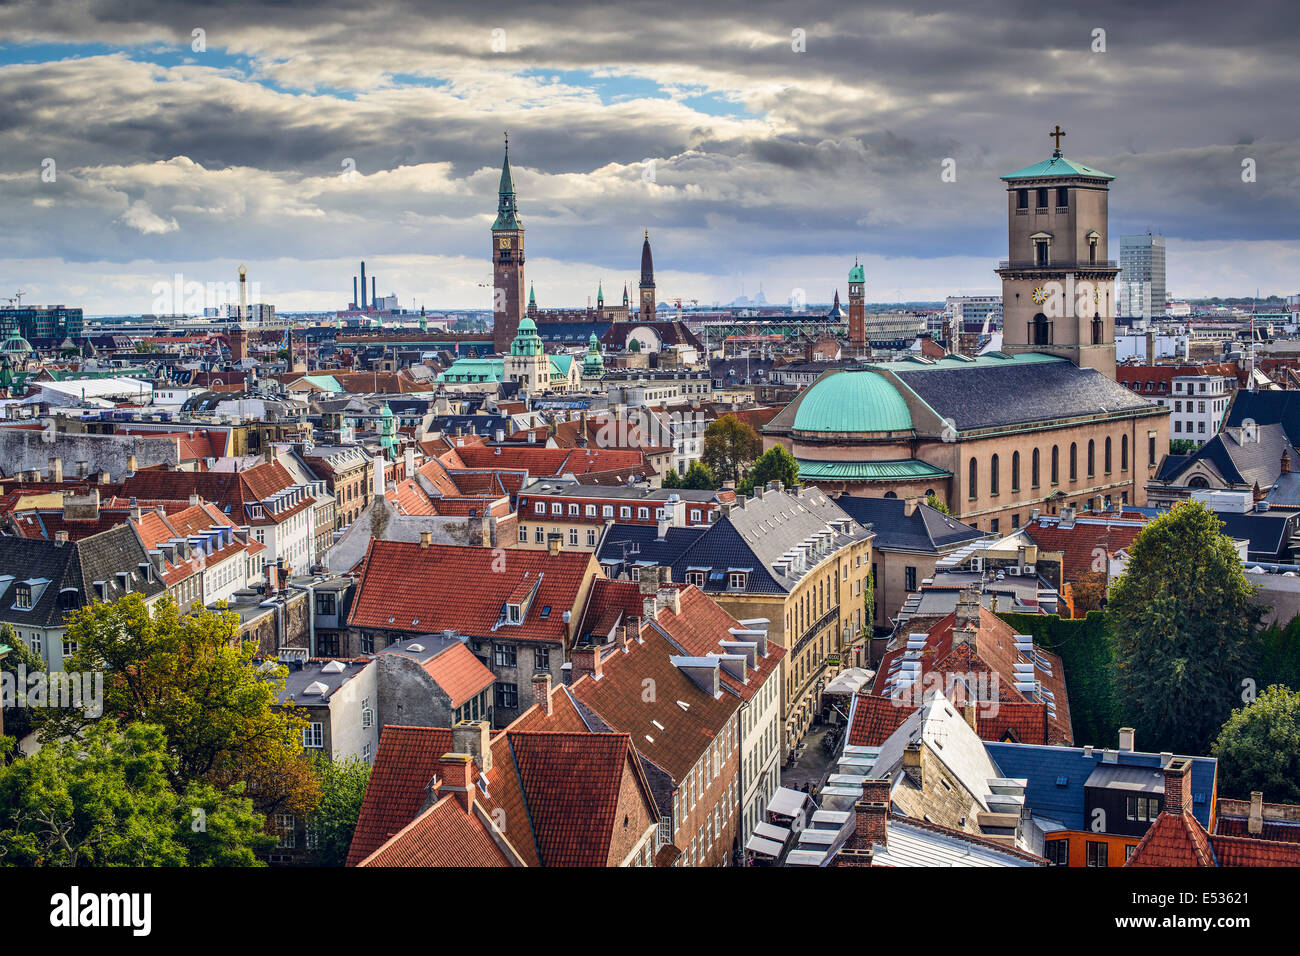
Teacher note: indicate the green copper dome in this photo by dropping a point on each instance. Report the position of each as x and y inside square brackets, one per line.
[853, 401]
[857, 273]
[16, 344]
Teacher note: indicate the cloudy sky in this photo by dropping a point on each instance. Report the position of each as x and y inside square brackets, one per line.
[759, 142]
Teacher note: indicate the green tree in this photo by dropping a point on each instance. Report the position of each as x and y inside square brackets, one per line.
[1259, 747]
[775, 464]
[699, 477]
[18, 722]
[1182, 446]
[1185, 629]
[729, 447]
[672, 479]
[935, 502]
[191, 675]
[342, 788]
[106, 799]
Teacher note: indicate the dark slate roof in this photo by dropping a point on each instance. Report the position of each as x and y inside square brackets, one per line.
[473, 424]
[925, 529]
[1267, 408]
[1238, 460]
[738, 370]
[73, 565]
[1286, 491]
[620, 540]
[1268, 533]
[1057, 776]
[752, 538]
[987, 396]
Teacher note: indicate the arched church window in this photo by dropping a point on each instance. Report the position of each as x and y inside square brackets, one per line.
[993, 475]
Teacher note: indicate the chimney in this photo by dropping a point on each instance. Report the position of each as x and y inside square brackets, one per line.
[648, 580]
[473, 737]
[131, 463]
[586, 660]
[1286, 463]
[876, 789]
[554, 545]
[669, 598]
[969, 711]
[60, 537]
[1126, 740]
[912, 764]
[852, 856]
[542, 692]
[870, 830]
[650, 607]
[426, 538]
[631, 628]
[457, 772]
[968, 609]
[56, 469]
[1255, 822]
[1178, 785]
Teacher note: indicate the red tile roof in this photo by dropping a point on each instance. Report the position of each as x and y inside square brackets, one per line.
[1079, 544]
[405, 762]
[459, 673]
[443, 835]
[875, 718]
[404, 587]
[994, 653]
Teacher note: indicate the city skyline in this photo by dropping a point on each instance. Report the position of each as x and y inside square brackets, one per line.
[299, 148]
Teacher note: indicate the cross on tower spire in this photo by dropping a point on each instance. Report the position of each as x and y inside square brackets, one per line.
[1057, 134]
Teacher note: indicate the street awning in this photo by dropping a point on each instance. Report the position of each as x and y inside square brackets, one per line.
[757, 844]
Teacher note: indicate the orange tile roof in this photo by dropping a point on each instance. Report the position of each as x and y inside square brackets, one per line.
[404, 587]
[1078, 544]
[405, 763]
[459, 673]
[875, 718]
[443, 835]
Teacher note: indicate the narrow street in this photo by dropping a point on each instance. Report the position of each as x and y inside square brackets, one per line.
[814, 766]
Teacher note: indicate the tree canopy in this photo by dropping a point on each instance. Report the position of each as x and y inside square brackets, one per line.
[775, 464]
[343, 787]
[107, 799]
[729, 447]
[1259, 748]
[698, 477]
[1185, 629]
[190, 675]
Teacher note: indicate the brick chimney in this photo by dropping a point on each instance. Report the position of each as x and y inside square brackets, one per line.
[56, 469]
[426, 538]
[870, 830]
[1178, 785]
[542, 692]
[586, 660]
[669, 598]
[648, 580]
[1126, 740]
[1286, 463]
[970, 711]
[876, 789]
[852, 856]
[650, 608]
[554, 545]
[457, 773]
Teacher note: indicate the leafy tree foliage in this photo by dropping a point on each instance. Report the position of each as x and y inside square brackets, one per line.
[775, 464]
[729, 447]
[343, 787]
[1182, 446]
[937, 503]
[1185, 629]
[107, 799]
[190, 675]
[18, 721]
[1259, 748]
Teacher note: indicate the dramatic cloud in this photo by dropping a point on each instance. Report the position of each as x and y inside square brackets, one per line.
[759, 142]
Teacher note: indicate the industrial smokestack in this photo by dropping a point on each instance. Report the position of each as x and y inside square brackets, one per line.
[354, 292]
[243, 293]
[363, 287]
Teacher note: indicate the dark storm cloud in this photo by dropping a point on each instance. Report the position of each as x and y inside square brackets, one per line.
[169, 155]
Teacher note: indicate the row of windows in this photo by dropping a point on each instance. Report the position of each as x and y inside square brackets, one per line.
[539, 535]
[607, 511]
[995, 466]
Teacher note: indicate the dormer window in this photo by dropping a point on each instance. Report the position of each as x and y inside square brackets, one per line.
[514, 613]
[540, 508]
[736, 580]
[23, 597]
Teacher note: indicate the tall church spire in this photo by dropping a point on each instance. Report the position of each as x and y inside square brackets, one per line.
[647, 280]
[507, 209]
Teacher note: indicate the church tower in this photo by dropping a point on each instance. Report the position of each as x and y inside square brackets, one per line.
[858, 307]
[1058, 287]
[647, 281]
[507, 262]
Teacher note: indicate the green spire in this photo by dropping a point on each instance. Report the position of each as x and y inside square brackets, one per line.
[507, 210]
[600, 294]
[532, 296]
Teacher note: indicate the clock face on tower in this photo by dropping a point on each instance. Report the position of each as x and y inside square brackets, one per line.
[1040, 295]
[504, 242]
